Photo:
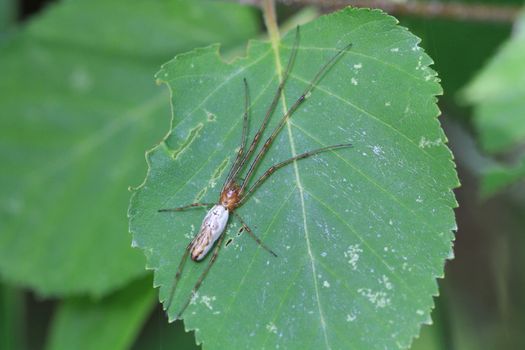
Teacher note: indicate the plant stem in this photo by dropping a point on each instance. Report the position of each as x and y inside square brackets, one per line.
[425, 9]
[270, 20]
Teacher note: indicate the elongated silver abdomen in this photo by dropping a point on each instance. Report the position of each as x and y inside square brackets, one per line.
[211, 229]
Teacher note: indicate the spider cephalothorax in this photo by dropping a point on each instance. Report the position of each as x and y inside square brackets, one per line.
[230, 196]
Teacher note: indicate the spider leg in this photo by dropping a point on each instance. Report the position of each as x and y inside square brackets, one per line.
[248, 229]
[273, 104]
[186, 251]
[177, 275]
[203, 274]
[240, 153]
[184, 207]
[289, 112]
[278, 166]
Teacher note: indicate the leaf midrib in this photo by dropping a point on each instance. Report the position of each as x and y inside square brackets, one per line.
[275, 48]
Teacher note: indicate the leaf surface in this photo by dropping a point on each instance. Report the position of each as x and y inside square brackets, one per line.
[79, 106]
[361, 234]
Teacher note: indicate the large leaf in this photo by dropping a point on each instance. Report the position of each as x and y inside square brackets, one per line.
[79, 106]
[361, 234]
[110, 323]
[498, 95]
[12, 310]
[498, 176]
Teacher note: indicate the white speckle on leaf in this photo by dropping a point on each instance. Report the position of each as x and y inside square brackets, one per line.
[419, 199]
[405, 267]
[270, 327]
[424, 143]
[358, 65]
[394, 49]
[386, 282]
[388, 104]
[134, 243]
[390, 222]
[324, 254]
[308, 94]
[419, 63]
[192, 65]
[352, 254]
[350, 317]
[354, 81]
[326, 284]
[379, 299]
[189, 235]
[377, 150]
[420, 312]
[206, 300]
[194, 298]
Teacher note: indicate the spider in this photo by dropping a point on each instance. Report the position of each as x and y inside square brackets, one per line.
[235, 191]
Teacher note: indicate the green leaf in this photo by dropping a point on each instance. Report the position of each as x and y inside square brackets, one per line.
[158, 333]
[498, 96]
[361, 234]
[457, 60]
[497, 177]
[79, 106]
[12, 311]
[498, 93]
[110, 323]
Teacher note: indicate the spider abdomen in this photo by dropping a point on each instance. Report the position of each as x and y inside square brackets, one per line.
[211, 229]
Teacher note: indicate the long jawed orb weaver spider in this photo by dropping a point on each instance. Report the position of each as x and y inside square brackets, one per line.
[235, 191]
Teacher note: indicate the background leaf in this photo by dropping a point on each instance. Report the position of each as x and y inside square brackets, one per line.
[361, 233]
[457, 59]
[498, 96]
[497, 177]
[12, 324]
[79, 106]
[111, 323]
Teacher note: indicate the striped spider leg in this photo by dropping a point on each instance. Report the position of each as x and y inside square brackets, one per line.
[235, 191]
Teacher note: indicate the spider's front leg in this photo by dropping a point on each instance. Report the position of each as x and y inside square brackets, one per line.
[184, 207]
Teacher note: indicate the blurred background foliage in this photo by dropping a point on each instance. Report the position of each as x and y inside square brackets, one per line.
[76, 80]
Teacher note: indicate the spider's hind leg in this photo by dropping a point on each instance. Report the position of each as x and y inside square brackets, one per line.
[202, 276]
[250, 232]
